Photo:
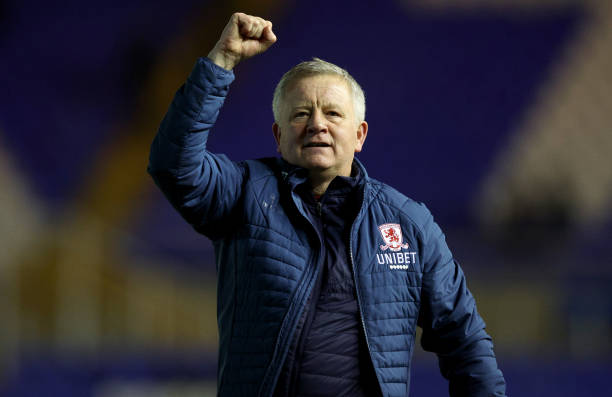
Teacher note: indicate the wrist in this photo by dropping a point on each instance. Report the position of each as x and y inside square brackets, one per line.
[221, 59]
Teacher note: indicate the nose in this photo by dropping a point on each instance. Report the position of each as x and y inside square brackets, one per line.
[316, 123]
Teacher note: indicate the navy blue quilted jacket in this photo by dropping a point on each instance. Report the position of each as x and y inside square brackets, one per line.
[268, 256]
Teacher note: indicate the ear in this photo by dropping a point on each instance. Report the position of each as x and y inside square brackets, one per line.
[277, 134]
[362, 132]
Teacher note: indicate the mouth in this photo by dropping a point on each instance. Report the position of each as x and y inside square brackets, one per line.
[316, 144]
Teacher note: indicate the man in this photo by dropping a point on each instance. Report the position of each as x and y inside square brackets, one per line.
[323, 272]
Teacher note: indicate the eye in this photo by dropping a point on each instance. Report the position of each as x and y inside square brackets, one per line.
[300, 114]
[333, 113]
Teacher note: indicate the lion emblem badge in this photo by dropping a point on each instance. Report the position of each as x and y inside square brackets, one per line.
[392, 236]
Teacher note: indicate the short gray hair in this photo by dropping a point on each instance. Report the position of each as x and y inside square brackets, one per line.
[314, 68]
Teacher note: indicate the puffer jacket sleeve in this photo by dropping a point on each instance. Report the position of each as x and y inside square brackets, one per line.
[452, 327]
[202, 186]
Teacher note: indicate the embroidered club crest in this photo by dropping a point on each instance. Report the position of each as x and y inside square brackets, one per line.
[392, 236]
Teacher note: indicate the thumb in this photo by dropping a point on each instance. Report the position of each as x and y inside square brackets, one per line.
[268, 35]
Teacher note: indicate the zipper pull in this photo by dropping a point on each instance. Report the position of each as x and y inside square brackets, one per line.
[319, 208]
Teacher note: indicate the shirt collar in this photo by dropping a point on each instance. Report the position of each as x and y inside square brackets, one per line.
[340, 185]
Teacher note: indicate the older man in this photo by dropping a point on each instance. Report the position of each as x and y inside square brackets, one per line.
[323, 272]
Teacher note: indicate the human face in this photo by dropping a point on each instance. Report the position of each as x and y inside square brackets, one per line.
[317, 129]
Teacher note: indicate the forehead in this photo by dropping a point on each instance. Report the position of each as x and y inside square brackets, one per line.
[317, 88]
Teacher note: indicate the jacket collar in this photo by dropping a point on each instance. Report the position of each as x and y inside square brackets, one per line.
[294, 175]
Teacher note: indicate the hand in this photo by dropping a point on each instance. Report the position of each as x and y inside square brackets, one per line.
[243, 37]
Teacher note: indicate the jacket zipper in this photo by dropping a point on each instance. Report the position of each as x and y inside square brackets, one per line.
[365, 332]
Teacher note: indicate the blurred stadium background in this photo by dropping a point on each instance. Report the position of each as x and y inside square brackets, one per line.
[496, 113]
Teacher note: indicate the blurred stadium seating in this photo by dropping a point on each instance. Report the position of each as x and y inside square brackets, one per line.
[496, 114]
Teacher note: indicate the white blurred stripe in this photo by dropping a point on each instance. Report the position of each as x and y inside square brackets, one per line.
[20, 213]
[21, 225]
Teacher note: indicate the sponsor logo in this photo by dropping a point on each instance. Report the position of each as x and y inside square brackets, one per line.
[395, 258]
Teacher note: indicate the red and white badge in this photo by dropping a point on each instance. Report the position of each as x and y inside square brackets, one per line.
[392, 236]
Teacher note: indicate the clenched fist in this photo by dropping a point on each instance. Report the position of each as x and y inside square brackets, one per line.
[243, 37]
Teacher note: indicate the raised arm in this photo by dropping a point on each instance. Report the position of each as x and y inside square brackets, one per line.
[202, 186]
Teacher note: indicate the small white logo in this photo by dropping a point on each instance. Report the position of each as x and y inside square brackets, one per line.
[392, 236]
